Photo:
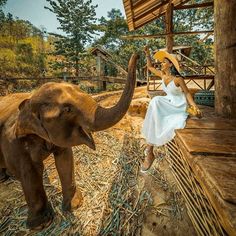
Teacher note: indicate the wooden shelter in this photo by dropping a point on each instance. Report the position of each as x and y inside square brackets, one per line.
[197, 76]
[100, 63]
[203, 155]
[203, 161]
[141, 12]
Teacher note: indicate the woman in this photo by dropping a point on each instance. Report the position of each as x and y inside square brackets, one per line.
[165, 113]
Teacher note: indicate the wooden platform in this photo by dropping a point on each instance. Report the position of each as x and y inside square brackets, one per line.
[208, 147]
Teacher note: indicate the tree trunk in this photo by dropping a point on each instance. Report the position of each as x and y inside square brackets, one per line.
[225, 58]
[77, 66]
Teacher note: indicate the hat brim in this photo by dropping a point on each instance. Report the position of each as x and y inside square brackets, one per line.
[161, 55]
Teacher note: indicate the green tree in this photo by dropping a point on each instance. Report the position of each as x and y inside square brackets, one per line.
[77, 19]
[2, 15]
[195, 20]
[22, 48]
[114, 26]
[2, 3]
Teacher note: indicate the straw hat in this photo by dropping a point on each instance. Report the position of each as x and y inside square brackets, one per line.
[161, 55]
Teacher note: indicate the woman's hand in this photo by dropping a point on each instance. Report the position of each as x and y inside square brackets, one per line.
[199, 113]
[146, 50]
[193, 110]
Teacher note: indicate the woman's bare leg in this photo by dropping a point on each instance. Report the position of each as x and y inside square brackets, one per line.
[149, 158]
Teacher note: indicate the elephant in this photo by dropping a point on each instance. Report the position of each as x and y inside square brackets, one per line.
[51, 120]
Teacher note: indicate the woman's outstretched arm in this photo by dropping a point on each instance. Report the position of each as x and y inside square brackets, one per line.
[150, 64]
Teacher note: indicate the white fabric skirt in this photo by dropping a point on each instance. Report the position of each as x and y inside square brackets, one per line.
[164, 115]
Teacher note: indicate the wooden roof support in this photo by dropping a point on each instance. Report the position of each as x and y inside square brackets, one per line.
[225, 58]
[148, 21]
[129, 12]
[206, 4]
[149, 10]
[141, 12]
[138, 37]
[169, 28]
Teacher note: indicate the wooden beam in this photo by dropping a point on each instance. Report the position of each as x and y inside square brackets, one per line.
[155, 16]
[150, 10]
[129, 8]
[136, 9]
[169, 28]
[206, 4]
[111, 79]
[164, 34]
[225, 58]
[138, 3]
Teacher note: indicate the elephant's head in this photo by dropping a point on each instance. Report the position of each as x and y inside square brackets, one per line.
[65, 116]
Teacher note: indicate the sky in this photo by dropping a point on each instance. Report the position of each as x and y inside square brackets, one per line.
[33, 11]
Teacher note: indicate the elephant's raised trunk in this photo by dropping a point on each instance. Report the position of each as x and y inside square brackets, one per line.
[107, 117]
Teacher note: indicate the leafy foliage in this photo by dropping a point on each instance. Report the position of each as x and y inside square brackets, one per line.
[2, 15]
[26, 52]
[22, 48]
[114, 26]
[77, 19]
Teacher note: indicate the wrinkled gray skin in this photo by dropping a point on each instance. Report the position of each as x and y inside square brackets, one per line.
[52, 120]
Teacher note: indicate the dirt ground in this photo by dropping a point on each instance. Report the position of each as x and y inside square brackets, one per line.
[164, 215]
[167, 214]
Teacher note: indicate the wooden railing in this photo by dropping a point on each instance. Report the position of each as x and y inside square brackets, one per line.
[190, 66]
[195, 75]
[7, 85]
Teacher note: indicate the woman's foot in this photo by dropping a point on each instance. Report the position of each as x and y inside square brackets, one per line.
[148, 161]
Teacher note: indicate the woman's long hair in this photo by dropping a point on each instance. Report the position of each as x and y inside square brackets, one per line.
[173, 70]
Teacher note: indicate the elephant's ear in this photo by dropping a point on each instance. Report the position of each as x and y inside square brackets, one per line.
[28, 122]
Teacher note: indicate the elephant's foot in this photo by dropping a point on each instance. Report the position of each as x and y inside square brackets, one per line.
[75, 202]
[3, 175]
[41, 220]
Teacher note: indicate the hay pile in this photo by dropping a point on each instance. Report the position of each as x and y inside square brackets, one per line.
[107, 178]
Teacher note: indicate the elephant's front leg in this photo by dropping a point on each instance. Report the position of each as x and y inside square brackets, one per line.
[3, 175]
[72, 197]
[40, 212]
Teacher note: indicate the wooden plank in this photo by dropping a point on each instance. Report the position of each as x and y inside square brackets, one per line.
[147, 10]
[164, 34]
[209, 142]
[128, 8]
[211, 123]
[221, 174]
[60, 79]
[200, 5]
[217, 177]
[209, 179]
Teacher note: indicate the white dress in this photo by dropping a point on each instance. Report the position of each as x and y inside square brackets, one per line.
[164, 115]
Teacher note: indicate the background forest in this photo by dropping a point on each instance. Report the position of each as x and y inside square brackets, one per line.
[27, 51]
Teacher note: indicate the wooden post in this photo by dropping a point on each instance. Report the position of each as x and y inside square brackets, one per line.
[100, 71]
[225, 58]
[169, 28]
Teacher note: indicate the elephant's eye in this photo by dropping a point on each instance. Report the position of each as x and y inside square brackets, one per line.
[67, 109]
